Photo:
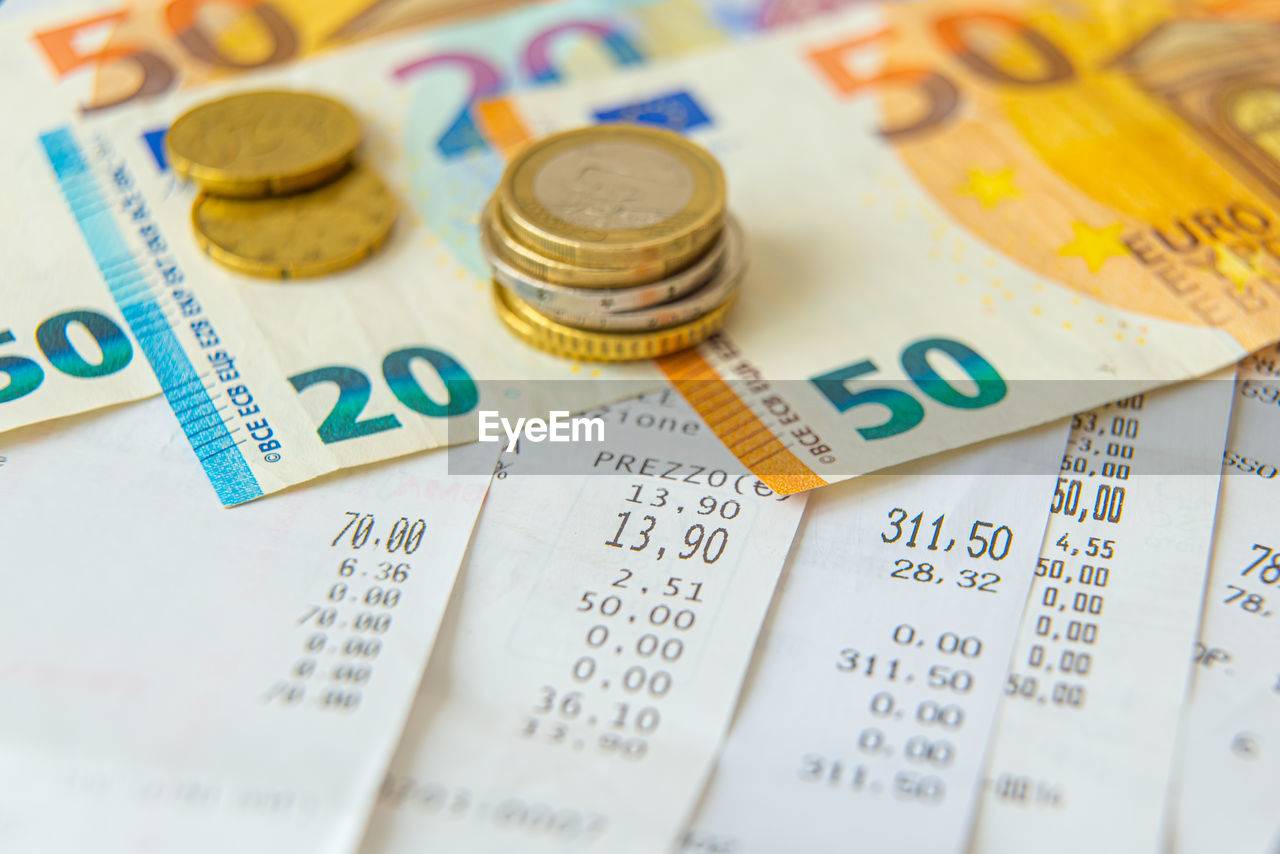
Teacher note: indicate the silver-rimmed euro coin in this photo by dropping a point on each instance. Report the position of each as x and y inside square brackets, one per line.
[720, 287]
[548, 297]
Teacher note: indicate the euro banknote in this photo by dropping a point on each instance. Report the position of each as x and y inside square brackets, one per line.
[112, 55]
[103, 272]
[962, 221]
[965, 219]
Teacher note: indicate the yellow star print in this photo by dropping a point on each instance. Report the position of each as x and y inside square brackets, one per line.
[1236, 268]
[990, 188]
[1095, 245]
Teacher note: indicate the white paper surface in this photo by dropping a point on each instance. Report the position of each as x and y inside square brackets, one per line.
[180, 677]
[594, 651]
[866, 720]
[1087, 730]
[1230, 766]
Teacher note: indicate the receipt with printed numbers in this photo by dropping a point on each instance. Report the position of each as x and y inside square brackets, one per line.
[866, 720]
[1230, 765]
[593, 653]
[177, 677]
[1088, 726]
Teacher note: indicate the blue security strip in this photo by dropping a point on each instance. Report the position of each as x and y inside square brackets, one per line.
[126, 279]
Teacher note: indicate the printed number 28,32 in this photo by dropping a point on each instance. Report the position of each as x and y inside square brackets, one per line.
[905, 411]
[344, 422]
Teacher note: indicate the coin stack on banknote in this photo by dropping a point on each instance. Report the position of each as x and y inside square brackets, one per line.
[282, 195]
[613, 243]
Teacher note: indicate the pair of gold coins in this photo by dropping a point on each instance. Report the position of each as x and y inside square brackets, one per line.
[282, 195]
[612, 243]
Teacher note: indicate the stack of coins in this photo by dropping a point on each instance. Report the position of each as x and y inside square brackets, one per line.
[281, 194]
[612, 243]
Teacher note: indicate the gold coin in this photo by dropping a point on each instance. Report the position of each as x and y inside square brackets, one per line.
[557, 272]
[563, 340]
[614, 197]
[263, 143]
[306, 234]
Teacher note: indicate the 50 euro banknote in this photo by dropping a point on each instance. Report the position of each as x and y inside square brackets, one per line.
[967, 218]
[962, 221]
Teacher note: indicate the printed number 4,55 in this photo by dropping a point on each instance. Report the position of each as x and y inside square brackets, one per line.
[343, 421]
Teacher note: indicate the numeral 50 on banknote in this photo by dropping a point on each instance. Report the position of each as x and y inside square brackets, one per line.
[940, 95]
[53, 340]
[905, 410]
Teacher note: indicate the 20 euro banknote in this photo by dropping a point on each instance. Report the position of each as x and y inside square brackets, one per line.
[97, 207]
